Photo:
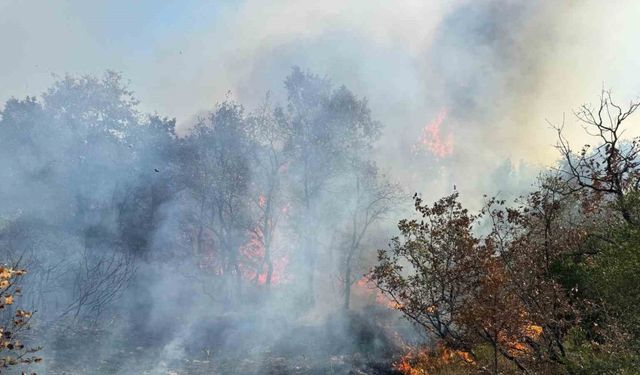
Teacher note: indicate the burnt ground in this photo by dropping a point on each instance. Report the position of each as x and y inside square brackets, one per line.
[368, 342]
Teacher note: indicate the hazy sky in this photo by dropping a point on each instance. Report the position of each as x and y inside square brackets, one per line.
[497, 68]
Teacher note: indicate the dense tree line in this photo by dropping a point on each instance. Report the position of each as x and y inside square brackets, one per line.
[92, 189]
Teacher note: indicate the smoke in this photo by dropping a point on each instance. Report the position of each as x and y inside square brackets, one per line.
[502, 67]
[498, 69]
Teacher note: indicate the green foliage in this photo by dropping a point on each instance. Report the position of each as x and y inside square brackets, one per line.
[585, 356]
[606, 286]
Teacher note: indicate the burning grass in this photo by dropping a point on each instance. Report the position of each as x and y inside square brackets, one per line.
[439, 360]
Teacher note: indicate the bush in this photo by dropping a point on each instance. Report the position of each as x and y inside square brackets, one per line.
[13, 322]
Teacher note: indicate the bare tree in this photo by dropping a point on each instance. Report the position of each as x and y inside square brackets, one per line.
[372, 197]
[99, 279]
[611, 167]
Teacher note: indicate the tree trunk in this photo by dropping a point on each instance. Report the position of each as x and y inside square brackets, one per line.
[347, 284]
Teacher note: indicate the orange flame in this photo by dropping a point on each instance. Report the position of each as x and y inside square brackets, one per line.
[433, 141]
[254, 252]
[422, 361]
[517, 347]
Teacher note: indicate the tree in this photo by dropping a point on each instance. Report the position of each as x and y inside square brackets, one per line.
[155, 166]
[497, 289]
[330, 129]
[216, 168]
[605, 179]
[314, 162]
[13, 322]
[611, 168]
[271, 133]
[370, 198]
[430, 269]
[74, 177]
[530, 239]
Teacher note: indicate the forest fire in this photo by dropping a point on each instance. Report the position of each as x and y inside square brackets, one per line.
[433, 141]
[366, 290]
[255, 268]
[299, 227]
[423, 361]
[518, 347]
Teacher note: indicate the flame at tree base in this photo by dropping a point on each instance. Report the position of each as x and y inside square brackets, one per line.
[426, 361]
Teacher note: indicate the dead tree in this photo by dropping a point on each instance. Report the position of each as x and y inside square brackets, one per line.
[99, 277]
[611, 167]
